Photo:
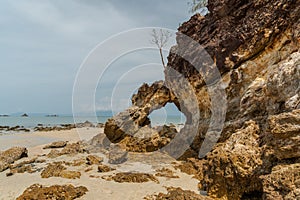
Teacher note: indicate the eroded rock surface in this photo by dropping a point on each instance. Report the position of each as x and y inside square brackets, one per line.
[282, 183]
[11, 155]
[254, 60]
[57, 169]
[177, 194]
[67, 192]
[132, 177]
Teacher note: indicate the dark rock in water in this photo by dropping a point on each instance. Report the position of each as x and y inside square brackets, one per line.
[62, 127]
[67, 192]
[10, 156]
[52, 116]
[58, 144]
[4, 127]
[117, 155]
[24, 115]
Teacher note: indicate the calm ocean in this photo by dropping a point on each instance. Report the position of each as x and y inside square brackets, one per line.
[30, 122]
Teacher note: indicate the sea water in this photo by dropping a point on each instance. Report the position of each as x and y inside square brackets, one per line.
[33, 121]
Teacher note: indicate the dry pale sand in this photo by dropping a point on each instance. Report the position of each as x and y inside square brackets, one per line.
[13, 186]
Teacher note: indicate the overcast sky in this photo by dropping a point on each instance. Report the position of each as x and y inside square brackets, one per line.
[44, 42]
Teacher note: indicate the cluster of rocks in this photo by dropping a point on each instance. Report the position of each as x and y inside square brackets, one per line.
[14, 129]
[10, 156]
[254, 67]
[63, 127]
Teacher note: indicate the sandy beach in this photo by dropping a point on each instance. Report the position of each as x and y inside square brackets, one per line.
[98, 188]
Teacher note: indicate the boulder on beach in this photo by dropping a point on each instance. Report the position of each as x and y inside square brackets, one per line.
[67, 192]
[10, 156]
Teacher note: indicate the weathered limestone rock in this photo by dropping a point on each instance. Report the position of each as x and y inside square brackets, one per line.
[282, 183]
[149, 139]
[67, 192]
[94, 160]
[283, 135]
[56, 169]
[255, 48]
[177, 194]
[9, 156]
[233, 166]
[133, 177]
[129, 122]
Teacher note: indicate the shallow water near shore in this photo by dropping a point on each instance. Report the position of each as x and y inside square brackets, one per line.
[33, 121]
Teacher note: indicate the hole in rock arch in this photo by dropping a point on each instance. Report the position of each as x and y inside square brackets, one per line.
[167, 115]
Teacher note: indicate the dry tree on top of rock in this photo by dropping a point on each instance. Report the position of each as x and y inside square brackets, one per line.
[160, 39]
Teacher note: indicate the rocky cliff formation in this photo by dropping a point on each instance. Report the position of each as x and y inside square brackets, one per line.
[254, 66]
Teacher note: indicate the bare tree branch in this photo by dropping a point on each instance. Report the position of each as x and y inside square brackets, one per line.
[160, 39]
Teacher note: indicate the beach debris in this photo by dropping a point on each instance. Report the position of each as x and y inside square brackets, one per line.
[66, 192]
[177, 194]
[165, 172]
[117, 155]
[57, 169]
[93, 160]
[131, 177]
[10, 156]
[105, 168]
[58, 144]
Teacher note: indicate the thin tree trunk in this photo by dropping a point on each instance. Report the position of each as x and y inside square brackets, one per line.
[162, 57]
